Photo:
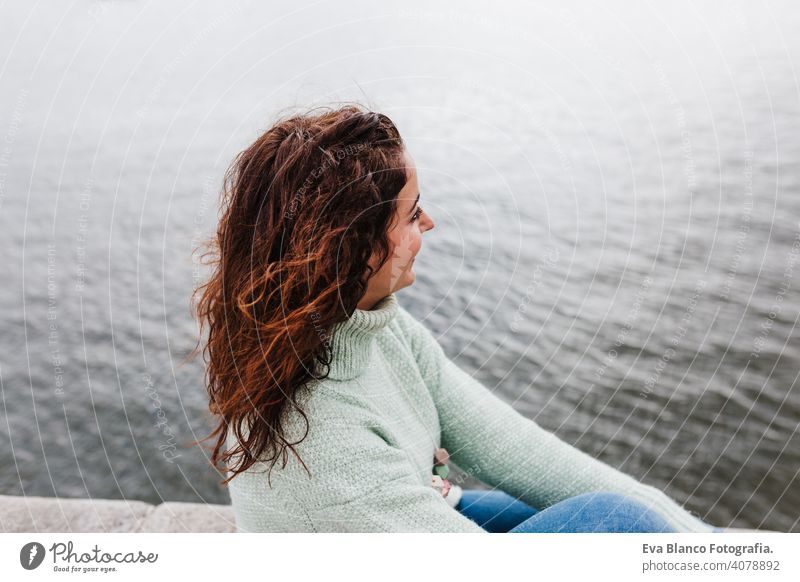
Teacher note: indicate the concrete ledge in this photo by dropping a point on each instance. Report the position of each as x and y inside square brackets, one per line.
[58, 514]
[54, 514]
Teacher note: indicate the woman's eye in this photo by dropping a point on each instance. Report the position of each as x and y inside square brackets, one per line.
[417, 213]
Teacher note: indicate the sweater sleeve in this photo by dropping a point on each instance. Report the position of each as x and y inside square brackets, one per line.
[362, 483]
[493, 442]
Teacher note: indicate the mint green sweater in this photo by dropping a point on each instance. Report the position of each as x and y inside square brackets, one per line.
[392, 397]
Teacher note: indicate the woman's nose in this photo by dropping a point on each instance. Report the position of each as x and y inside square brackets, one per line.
[429, 224]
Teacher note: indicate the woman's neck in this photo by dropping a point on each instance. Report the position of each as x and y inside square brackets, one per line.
[351, 340]
[369, 301]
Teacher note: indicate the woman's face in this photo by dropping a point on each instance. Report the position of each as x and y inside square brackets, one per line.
[405, 241]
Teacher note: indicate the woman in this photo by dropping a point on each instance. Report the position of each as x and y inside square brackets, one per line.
[310, 353]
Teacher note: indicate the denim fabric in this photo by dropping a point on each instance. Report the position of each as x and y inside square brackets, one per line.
[597, 512]
[494, 510]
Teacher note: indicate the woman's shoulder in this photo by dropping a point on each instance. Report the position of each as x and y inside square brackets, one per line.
[410, 328]
[331, 407]
[425, 348]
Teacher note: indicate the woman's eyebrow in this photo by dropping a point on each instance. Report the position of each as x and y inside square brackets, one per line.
[413, 206]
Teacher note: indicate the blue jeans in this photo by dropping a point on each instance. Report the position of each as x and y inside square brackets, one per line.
[598, 511]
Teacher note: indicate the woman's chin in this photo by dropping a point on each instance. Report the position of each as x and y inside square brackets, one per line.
[407, 279]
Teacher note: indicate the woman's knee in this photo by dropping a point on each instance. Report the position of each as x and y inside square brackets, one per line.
[612, 511]
[605, 498]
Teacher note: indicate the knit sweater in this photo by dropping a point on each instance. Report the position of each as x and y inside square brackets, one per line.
[391, 398]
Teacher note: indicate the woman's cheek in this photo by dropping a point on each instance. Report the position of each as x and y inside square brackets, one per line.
[416, 242]
[406, 246]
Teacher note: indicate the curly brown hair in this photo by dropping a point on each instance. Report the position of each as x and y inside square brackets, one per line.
[303, 209]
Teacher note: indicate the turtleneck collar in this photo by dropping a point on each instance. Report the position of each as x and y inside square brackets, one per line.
[351, 340]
